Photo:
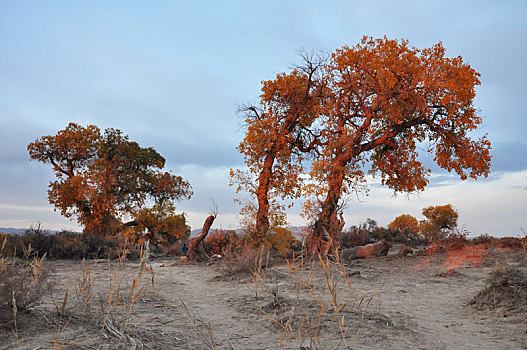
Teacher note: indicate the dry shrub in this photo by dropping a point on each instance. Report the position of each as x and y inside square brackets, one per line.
[112, 312]
[246, 261]
[505, 288]
[483, 239]
[64, 245]
[353, 238]
[455, 240]
[502, 242]
[509, 242]
[224, 242]
[23, 281]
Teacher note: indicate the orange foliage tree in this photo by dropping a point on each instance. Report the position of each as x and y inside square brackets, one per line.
[405, 223]
[379, 102]
[278, 131]
[103, 177]
[384, 99]
[441, 220]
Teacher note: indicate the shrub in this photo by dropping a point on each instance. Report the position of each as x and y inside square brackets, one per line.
[22, 282]
[506, 287]
[247, 260]
[456, 240]
[509, 242]
[353, 237]
[281, 240]
[483, 239]
[224, 242]
[62, 245]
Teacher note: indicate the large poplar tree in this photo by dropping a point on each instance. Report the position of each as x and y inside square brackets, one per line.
[382, 102]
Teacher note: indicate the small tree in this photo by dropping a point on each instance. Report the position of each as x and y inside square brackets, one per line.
[278, 131]
[405, 223]
[442, 219]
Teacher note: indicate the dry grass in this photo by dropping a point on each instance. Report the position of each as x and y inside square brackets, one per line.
[246, 262]
[321, 311]
[505, 290]
[23, 282]
[113, 313]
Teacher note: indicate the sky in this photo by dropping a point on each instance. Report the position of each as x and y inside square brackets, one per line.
[171, 74]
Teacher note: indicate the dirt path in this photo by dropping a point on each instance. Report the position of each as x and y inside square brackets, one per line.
[392, 303]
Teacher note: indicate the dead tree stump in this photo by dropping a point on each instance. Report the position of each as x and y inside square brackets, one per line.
[193, 247]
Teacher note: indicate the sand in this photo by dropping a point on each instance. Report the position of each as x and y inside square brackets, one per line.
[419, 302]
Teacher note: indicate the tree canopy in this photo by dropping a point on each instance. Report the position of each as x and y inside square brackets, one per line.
[103, 177]
[441, 219]
[375, 106]
[405, 223]
[277, 128]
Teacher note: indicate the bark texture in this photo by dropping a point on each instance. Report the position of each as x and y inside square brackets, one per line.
[193, 247]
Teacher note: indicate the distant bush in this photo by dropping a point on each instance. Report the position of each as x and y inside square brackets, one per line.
[501, 242]
[455, 240]
[509, 242]
[62, 245]
[359, 235]
[370, 232]
[483, 239]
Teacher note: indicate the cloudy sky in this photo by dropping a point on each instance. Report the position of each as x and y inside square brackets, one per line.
[170, 74]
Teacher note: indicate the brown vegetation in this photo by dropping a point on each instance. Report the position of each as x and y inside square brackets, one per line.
[505, 290]
[264, 302]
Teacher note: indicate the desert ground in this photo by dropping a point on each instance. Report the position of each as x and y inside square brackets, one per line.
[417, 302]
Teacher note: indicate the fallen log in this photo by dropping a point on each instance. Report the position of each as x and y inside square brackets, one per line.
[375, 249]
[404, 251]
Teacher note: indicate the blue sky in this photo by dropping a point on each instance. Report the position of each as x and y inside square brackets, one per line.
[170, 74]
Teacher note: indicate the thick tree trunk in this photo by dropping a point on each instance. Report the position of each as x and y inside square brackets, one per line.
[327, 223]
[262, 194]
[193, 252]
[376, 249]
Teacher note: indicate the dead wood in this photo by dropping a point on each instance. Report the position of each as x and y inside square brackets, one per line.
[404, 251]
[376, 249]
[193, 248]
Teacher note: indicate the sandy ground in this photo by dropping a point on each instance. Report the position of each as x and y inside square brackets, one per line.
[384, 303]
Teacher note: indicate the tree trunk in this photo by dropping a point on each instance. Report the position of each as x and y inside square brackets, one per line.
[327, 224]
[376, 249]
[195, 242]
[262, 194]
